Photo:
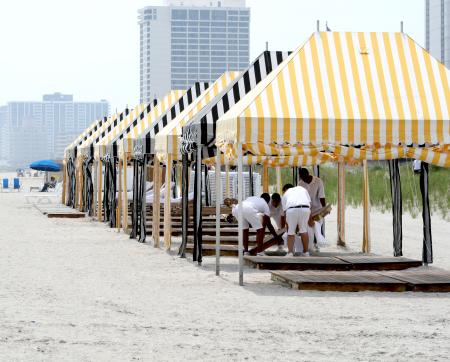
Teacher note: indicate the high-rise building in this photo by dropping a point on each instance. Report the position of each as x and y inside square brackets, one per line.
[191, 40]
[37, 130]
[4, 134]
[437, 29]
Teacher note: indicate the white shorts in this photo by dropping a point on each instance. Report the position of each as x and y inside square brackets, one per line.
[297, 217]
[250, 216]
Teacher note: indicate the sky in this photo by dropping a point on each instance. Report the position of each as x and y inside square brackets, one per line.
[90, 48]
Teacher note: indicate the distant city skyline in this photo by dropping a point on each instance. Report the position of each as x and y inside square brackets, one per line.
[31, 130]
[100, 59]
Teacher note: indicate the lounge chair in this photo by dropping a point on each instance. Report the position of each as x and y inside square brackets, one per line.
[50, 197]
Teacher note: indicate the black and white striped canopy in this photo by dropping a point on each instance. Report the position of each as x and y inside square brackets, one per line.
[201, 130]
[145, 143]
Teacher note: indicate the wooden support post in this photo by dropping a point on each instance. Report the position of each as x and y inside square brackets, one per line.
[278, 171]
[366, 206]
[341, 203]
[99, 191]
[265, 178]
[63, 195]
[240, 215]
[125, 193]
[167, 211]
[227, 180]
[119, 199]
[218, 202]
[156, 201]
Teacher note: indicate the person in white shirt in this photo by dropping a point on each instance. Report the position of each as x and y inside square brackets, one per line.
[314, 186]
[256, 213]
[276, 210]
[296, 206]
[277, 216]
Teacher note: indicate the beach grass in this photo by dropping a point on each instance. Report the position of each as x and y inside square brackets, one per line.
[379, 187]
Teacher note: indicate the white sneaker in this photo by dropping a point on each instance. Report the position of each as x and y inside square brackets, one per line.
[289, 254]
[260, 254]
[246, 253]
[280, 248]
[305, 254]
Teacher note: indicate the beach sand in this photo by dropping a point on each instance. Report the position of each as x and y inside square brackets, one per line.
[75, 290]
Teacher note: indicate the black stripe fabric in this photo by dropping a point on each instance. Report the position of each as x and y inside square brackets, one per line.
[396, 196]
[427, 251]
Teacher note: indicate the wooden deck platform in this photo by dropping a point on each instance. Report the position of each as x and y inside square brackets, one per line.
[416, 280]
[327, 261]
[60, 211]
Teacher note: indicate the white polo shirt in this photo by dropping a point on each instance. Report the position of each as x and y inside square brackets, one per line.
[276, 213]
[316, 192]
[295, 196]
[258, 204]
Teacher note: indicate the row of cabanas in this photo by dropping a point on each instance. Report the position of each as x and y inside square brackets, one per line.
[341, 97]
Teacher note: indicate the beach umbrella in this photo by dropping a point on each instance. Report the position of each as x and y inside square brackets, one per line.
[45, 165]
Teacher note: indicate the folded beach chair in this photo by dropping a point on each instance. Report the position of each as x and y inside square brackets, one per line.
[16, 184]
[5, 184]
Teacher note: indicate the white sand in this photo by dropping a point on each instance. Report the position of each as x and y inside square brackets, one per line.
[74, 290]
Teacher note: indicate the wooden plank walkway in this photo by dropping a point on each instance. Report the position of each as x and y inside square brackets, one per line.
[59, 211]
[416, 280]
[331, 261]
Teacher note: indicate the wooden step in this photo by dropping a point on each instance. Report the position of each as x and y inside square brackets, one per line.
[210, 250]
[414, 279]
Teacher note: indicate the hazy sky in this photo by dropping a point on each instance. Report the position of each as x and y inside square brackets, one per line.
[90, 48]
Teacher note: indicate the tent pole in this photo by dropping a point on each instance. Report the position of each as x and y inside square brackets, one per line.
[265, 178]
[218, 203]
[99, 191]
[119, 203]
[125, 194]
[341, 203]
[366, 209]
[198, 209]
[227, 180]
[167, 212]
[185, 176]
[156, 200]
[240, 215]
[278, 171]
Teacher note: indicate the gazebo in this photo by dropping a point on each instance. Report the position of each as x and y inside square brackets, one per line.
[355, 96]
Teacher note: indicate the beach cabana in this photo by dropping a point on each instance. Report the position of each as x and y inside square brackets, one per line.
[106, 152]
[68, 193]
[85, 153]
[198, 135]
[167, 142]
[357, 96]
[136, 146]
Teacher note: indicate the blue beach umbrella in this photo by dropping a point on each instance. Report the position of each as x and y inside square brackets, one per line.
[45, 165]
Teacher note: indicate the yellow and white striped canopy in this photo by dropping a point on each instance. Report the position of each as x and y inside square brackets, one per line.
[167, 141]
[100, 147]
[168, 101]
[88, 142]
[373, 90]
[274, 161]
[84, 134]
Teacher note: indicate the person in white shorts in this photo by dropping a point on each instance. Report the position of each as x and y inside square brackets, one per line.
[296, 206]
[314, 186]
[256, 213]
